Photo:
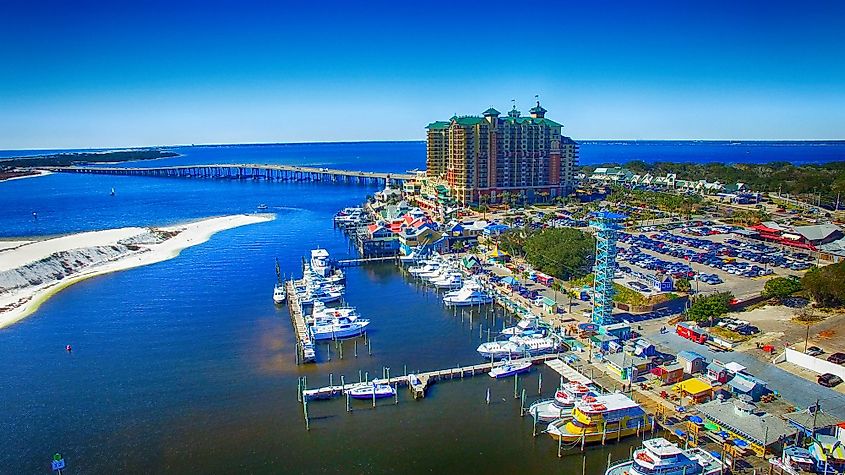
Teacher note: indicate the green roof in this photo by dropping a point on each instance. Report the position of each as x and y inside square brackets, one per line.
[491, 111]
[438, 125]
[468, 120]
[538, 109]
[532, 120]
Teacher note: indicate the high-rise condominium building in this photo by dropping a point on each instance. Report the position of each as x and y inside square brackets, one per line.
[488, 155]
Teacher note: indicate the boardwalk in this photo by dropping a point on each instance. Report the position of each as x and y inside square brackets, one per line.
[304, 344]
[366, 260]
[247, 171]
[430, 376]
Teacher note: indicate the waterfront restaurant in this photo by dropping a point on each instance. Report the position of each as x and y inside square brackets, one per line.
[741, 420]
[697, 389]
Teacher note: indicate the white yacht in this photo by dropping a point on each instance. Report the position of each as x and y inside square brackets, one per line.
[338, 327]
[321, 313]
[449, 281]
[523, 326]
[658, 455]
[424, 267]
[320, 264]
[376, 388]
[517, 346]
[470, 294]
[279, 293]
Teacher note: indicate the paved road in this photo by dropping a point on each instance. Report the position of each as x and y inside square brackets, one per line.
[793, 388]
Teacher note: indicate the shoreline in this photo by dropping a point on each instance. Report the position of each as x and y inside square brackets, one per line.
[22, 302]
[39, 173]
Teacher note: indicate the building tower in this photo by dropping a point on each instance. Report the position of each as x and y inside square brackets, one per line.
[607, 225]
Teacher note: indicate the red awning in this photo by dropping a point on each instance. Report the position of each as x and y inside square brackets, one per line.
[765, 229]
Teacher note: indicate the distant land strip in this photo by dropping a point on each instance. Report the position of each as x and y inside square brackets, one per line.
[80, 158]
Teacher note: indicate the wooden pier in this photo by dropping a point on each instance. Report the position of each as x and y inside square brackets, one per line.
[568, 372]
[304, 344]
[428, 377]
[248, 171]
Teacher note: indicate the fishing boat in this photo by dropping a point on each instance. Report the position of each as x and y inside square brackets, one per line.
[658, 455]
[469, 294]
[375, 387]
[321, 313]
[510, 368]
[338, 327]
[560, 406]
[424, 267]
[278, 293]
[523, 326]
[452, 280]
[603, 417]
[320, 264]
[517, 346]
[794, 460]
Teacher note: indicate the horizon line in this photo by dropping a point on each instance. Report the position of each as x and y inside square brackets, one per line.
[230, 144]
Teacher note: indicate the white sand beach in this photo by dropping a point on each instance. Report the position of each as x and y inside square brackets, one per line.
[35, 175]
[32, 271]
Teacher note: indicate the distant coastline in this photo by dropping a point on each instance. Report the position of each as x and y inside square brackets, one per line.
[32, 271]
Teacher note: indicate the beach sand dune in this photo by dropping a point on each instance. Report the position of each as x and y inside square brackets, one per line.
[32, 271]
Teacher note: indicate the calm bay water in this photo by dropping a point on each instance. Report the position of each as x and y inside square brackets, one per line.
[186, 366]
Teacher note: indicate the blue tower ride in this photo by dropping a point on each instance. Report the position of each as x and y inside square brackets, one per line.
[607, 225]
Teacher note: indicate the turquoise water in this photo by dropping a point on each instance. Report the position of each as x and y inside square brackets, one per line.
[186, 366]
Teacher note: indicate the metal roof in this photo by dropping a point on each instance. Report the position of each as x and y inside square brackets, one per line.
[755, 427]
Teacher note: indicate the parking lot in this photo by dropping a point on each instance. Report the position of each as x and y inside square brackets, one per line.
[720, 261]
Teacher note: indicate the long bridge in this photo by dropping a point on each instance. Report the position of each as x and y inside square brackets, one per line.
[247, 171]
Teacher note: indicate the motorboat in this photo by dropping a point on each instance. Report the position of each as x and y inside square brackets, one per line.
[279, 293]
[452, 280]
[510, 368]
[603, 417]
[320, 264]
[517, 346]
[469, 294]
[261, 207]
[523, 326]
[338, 327]
[424, 267]
[658, 455]
[560, 406]
[321, 313]
[373, 388]
[794, 460]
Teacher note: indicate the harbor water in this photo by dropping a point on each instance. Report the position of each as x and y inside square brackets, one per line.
[186, 366]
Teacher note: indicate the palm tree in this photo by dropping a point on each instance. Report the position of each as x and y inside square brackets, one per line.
[572, 296]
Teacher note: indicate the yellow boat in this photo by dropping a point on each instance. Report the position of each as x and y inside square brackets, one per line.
[603, 417]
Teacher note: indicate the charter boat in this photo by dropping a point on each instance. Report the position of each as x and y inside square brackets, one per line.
[525, 325]
[517, 346]
[367, 390]
[659, 456]
[603, 417]
[560, 406]
[278, 293]
[338, 327]
[510, 368]
[469, 294]
[320, 264]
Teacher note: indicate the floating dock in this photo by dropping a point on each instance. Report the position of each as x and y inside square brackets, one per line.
[425, 378]
[365, 260]
[304, 344]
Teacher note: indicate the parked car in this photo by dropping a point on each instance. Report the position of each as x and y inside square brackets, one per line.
[747, 330]
[814, 351]
[829, 380]
[837, 358]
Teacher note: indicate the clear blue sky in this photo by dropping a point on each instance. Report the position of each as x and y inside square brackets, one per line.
[121, 73]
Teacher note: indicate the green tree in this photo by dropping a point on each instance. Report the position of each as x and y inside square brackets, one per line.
[825, 284]
[683, 285]
[457, 246]
[780, 288]
[560, 252]
[710, 307]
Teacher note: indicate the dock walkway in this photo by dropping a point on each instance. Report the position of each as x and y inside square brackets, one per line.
[304, 343]
[568, 372]
[365, 260]
[428, 377]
